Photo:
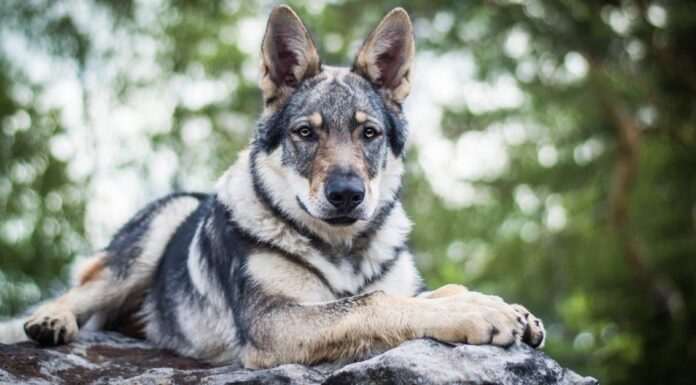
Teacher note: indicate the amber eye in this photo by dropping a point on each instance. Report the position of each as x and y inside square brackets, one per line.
[369, 132]
[304, 131]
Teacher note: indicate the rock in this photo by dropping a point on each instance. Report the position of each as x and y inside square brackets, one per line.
[109, 358]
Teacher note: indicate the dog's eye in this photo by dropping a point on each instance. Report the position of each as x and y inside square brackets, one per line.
[369, 132]
[304, 131]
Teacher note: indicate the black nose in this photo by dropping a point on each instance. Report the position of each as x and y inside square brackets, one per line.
[345, 191]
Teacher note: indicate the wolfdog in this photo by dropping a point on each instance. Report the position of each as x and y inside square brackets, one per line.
[300, 255]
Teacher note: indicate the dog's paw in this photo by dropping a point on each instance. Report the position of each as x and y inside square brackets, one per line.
[477, 319]
[534, 333]
[51, 326]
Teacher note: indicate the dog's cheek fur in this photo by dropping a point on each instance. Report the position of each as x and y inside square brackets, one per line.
[298, 155]
[269, 131]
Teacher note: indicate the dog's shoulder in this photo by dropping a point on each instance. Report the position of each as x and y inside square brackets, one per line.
[152, 226]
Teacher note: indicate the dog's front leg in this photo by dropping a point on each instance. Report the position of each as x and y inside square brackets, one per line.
[57, 322]
[350, 327]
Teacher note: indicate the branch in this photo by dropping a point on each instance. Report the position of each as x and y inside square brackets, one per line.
[625, 174]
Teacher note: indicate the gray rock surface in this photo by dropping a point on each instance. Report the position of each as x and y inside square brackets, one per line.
[107, 358]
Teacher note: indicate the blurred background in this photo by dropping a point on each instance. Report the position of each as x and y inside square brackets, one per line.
[552, 155]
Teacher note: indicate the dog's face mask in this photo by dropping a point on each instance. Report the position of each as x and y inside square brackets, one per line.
[336, 129]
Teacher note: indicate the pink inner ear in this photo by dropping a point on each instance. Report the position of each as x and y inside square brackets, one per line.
[285, 60]
[389, 63]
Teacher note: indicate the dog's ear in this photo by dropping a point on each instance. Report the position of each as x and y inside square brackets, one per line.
[288, 55]
[386, 57]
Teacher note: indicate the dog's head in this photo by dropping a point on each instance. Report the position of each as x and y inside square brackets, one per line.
[334, 132]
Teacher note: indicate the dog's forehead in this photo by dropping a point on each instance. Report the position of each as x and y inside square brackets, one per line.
[337, 94]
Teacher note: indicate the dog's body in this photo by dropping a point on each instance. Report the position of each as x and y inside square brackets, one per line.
[300, 255]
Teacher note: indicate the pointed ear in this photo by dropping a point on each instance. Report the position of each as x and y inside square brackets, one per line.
[386, 57]
[288, 55]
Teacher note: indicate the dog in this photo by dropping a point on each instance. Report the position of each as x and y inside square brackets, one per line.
[300, 255]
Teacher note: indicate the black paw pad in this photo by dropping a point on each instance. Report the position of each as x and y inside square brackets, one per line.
[32, 331]
[41, 333]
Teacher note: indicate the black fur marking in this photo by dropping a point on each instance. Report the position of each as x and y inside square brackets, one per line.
[302, 205]
[493, 332]
[361, 243]
[344, 305]
[269, 132]
[126, 245]
[225, 248]
[384, 268]
[396, 133]
[363, 240]
[171, 279]
[267, 201]
[270, 100]
[261, 244]
[340, 221]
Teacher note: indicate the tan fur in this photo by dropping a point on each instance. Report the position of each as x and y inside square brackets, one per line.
[92, 270]
[445, 291]
[315, 119]
[333, 153]
[378, 321]
[279, 276]
[360, 117]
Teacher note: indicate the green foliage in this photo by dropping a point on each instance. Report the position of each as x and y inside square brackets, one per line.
[42, 210]
[591, 223]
